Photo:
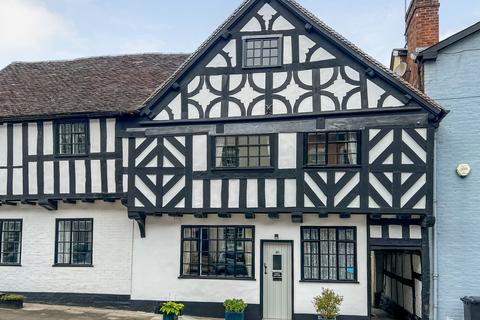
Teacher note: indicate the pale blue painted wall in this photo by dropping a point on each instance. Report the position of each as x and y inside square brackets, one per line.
[454, 81]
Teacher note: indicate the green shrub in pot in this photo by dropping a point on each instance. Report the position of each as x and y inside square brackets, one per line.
[327, 305]
[234, 309]
[171, 310]
[11, 301]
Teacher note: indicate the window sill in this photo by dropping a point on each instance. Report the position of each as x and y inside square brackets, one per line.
[71, 156]
[10, 265]
[331, 281]
[262, 67]
[73, 265]
[343, 166]
[243, 169]
[215, 278]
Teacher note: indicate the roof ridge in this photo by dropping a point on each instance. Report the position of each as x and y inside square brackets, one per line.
[97, 57]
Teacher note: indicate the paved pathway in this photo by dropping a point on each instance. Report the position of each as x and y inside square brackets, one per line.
[49, 312]
[379, 314]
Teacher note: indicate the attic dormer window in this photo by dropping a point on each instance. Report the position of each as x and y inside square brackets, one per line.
[262, 52]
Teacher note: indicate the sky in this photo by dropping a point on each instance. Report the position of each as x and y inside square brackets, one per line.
[38, 30]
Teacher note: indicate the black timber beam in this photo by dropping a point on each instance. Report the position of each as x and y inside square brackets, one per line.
[249, 215]
[274, 215]
[50, 205]
[297, 217]
[141, 221]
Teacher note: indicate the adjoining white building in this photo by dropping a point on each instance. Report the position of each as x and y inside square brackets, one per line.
[275, 160]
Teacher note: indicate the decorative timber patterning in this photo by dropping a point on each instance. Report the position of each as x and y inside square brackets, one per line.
[30, 170]
[150, 187]
[290, 92]
[398, 174]
[313, 78]
[171, 174]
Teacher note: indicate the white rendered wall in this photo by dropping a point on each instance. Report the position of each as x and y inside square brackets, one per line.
[112, 243]
[156, 263]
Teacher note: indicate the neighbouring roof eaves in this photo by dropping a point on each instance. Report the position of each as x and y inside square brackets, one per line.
[432, 52]
[100, 85]
[320, 24]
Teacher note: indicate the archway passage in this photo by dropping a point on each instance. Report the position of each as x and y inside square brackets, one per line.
[396, 284]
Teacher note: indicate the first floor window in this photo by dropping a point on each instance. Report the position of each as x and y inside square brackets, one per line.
[74, 242]
[252, 151]
[329, 253]
[217, 251]
[10, 241]
[332, 148]
[262, 52]
[72, 138]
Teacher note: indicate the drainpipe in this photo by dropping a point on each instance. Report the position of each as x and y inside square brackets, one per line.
[434, 233]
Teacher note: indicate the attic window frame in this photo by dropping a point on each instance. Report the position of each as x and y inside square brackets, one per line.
[277, 37]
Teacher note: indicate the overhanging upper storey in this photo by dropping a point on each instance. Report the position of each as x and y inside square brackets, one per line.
[274, 58]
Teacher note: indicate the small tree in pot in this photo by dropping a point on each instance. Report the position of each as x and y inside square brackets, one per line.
[327, 305]
[234, 309]
[171, 310]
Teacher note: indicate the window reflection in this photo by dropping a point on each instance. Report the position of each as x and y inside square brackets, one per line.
[218, 251]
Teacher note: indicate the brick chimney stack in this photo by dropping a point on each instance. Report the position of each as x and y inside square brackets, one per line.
[422, 31]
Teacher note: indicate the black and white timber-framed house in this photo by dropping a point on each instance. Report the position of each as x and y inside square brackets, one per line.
[270, 163]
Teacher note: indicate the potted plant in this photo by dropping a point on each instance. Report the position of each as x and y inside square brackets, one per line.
[234, 309]
[327, 305]
[11, 301]
[171, 310]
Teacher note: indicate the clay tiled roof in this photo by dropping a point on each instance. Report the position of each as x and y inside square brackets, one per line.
[103, 85]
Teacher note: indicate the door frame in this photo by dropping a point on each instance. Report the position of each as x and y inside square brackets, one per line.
[262, 242]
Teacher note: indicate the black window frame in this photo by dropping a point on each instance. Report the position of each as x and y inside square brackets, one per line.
[56, 140]
[213, 153]
[337, 241]
[71, 264]
[19, 253]
[183, 239]
[326, 133]
[277, 37]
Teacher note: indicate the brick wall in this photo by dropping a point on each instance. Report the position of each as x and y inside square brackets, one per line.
[422, 31]
[112, 243]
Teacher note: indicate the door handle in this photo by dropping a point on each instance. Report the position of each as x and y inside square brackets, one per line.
[265, 267]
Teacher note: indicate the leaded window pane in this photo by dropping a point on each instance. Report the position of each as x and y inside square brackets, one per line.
[74, 241]
[335, 148]
[218, 251]
[72, 138]
[243, 151]
[329, 250]
[10, 241]
[262, 52]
